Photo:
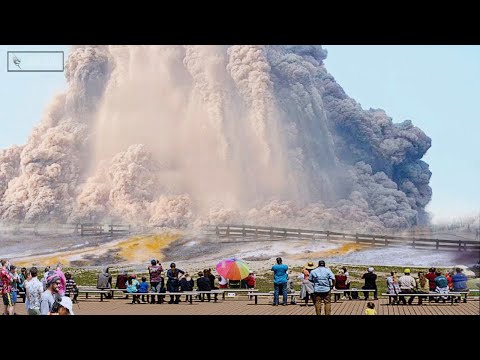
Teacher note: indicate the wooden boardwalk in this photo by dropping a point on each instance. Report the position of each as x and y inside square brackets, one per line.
[93, 306]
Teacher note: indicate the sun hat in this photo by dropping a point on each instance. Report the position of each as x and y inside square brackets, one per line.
[310, 265]
[66, 302]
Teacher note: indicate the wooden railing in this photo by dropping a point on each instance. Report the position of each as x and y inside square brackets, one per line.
[231, 233]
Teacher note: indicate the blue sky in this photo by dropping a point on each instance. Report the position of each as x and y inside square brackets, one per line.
[437, 87]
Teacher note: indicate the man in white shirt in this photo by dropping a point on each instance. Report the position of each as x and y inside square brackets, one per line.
[407, 286]
[33, 290]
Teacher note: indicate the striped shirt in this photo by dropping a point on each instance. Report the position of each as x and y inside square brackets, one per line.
[70, 286]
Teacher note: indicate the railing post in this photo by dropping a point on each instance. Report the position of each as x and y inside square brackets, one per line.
[285, 233]
[459, 245]
[438, 243]
[256, 232]
[244, 232]
[271, 233]
[227, 232]
[373, 241]
[81, 229]
[413, 244]
[216, 230]
[328, 235]
[386, 240]
[356, 238]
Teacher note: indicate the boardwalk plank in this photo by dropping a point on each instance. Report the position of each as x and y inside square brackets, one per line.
[245, 307]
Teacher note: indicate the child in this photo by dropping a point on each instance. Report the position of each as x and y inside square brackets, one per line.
[143, 288]
[71, 287]
[370, 310]
[132, 287]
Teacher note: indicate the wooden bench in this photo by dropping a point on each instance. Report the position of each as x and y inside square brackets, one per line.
[192, 294]
[452, 295]
[240, 291]
[255, 295]
[93, 291]
[343, 291]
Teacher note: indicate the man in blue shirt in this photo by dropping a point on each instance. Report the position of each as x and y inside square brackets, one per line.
[279, 281]
[323, 282]
[459, 280]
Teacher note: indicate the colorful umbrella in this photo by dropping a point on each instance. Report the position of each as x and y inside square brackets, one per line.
[233, 269]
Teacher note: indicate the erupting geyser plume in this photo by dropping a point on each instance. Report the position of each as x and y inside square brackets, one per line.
[190, 135]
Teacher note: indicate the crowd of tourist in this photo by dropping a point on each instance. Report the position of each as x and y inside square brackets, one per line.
[55, 293]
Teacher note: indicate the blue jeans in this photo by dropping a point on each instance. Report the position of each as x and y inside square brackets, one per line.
[276, 290]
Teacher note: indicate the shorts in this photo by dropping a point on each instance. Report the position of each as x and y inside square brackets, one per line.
[14, 296]
[7, 299]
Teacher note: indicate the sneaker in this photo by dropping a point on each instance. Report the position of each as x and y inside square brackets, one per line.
[284, 304]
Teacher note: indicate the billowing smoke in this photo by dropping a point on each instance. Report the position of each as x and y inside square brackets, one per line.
[192, 135]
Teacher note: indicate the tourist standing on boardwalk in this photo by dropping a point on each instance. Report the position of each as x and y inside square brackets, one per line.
[155, 271]
[173, 284]
[323, 282]
[370, 283]
[280, 282]
[63, 280]
[21, 284]
[14, 285]
[306, 289]
[33, 292]
[44, 279]
[48, 297]
[6, 279]
[347, 282]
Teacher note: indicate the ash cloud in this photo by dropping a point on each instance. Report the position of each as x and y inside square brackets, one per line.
[183, 136]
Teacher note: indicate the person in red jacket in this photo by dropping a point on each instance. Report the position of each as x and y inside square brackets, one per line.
[250, 280]
[340, 280]
[431, 281]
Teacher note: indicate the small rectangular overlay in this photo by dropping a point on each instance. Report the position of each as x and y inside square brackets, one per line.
[35, 61]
